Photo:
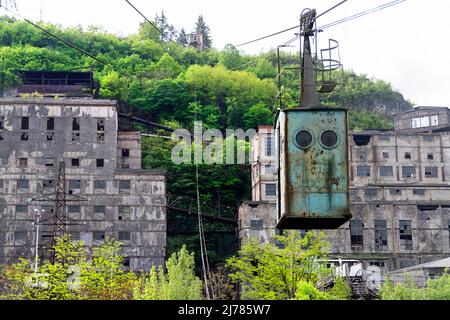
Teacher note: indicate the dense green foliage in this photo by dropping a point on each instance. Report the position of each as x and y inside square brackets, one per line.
[435, 289]
[74, 276]
[287, 270]
[176, 85]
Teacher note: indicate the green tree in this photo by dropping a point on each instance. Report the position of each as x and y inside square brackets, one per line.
[182, 38]
[180, 282]
[258, 114]
[277, 272]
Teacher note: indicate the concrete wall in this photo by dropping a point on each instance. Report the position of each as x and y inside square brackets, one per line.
[118, 199]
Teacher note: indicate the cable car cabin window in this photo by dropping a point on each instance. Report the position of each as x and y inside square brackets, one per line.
[303, 139]
[356, 234]
[406, 234]
[363, 171]
[386, 171]
[408, 172]
[329, 139]
[269, 146]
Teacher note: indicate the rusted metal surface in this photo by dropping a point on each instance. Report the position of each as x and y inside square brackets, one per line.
[313, 189]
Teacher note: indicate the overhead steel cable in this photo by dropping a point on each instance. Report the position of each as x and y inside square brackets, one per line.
[332, 24]
[146, 19]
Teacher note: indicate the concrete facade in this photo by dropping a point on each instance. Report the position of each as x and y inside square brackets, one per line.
[400, 201]
[103, 166]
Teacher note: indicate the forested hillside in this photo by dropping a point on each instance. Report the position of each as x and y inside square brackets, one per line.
[176, 84]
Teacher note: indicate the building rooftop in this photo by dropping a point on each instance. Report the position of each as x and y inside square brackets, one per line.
[423, 108]
[443, 263]
[58, 102]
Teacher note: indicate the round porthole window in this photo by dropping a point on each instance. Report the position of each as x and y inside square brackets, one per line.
[329, 139]
[303, 139]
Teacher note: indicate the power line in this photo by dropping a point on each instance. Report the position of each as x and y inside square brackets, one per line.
[332, 24]
[146, 19]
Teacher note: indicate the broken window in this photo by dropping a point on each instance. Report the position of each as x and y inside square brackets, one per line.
[24, 136]
[76, 124]
[408, 172]
[25, 123]
[271, 189]
[21, 212]
[431, 172]
[75, 136]
[75, 162]
[23, 162]
[74, 186]
[386, 171]
[419, 192]
[124, 186]
[125, 153]
[99, 212]
[385, 155]
[100, 137]
[361, 140]
[100, 184]
[363, 171]
[430, 156]
[22, 184]
[100, 163]
[50, 136]
[50, 124]
[381, 236]
[124, 212]
[356, 234]
[256, 224]
[98, 235]
[126, 262]
[20, 238]
[49, 162]
[49, 184]
[407, 155]
[406, 234]
[73, 212]
[124, 236]
[100, 124]
[370, 192]
[395, 192]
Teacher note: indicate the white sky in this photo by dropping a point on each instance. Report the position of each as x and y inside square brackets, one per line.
[405, 44]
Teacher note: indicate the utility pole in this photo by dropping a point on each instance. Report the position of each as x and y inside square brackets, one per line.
[38, 217]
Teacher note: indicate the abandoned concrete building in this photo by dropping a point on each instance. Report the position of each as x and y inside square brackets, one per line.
[399, 193]
[115, 198]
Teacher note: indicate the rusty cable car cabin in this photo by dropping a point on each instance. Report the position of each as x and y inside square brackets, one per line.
[313, 179]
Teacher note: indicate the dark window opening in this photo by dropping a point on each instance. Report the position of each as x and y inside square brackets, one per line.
[430, 156]
[74, 184]
[76, 124]
[124, 213]
[408, 172]
[395, 192]
[125, 153]
[356, 234]
[385, 155]
[99, 184]
[100, 163]
[2, 120]
[381, 236]
[100, 137]
[98, 236]
[49, 162]
[23, 162]
[51, 124]
[50, 136]
[371, 192]
[124, 184]
[100, 125]
[75, 162]
[22, 184]
[124, 236]
[24, 136]
[419, 192]
[126, 262]
[407, 155]
[25, 123]
[269, 146]
[48, 183]
[406, 239]
[361, 140]
[271, 189]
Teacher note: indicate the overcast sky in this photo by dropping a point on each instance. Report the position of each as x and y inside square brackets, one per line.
[406, 44]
